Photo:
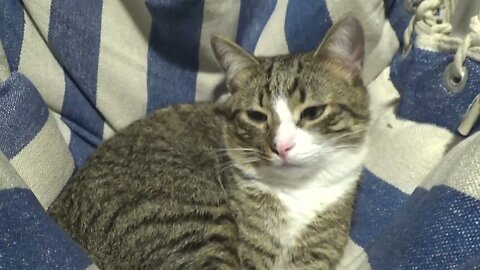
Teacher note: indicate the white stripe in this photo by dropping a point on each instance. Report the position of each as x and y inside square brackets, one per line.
[122, 66]
[40, 12]
[38, 64]
[4, 68]
[9, 177]
[108, 132]
[283, 112]
[219, 18]
[45, 163]
[381, 43]
[354, 258]
[381, 54]
[401, 152]
[460, 169]
[64, 129]
[92, 267]
[272, 41]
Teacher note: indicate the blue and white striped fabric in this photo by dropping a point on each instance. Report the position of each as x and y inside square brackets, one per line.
[72, 73]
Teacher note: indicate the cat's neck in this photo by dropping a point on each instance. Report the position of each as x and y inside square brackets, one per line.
[305, 194]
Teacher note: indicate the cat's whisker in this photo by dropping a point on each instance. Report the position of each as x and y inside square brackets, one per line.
[240, 160]
[224, 153]
[313, 155]
[345, 135]
[235, 149]
[233, 163]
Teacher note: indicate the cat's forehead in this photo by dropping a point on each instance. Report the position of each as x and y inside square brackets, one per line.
[276, 77]
[300, 80]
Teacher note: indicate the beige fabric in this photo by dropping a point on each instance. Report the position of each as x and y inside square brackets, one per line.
[9, 176]
[460, 169]
[45, 176]
[4, 69]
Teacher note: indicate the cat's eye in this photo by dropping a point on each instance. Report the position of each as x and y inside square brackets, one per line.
[257, 116]
[312, 112]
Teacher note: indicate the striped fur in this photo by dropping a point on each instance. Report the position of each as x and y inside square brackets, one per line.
[176, 190]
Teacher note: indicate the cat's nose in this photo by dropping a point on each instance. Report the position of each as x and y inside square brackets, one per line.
[283, 147]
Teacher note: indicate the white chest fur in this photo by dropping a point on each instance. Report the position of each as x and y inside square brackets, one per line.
[304, 203]
[304, 198]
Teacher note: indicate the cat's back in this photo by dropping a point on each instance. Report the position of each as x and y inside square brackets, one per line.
[154, 166]
[182, 133]
[188, 126]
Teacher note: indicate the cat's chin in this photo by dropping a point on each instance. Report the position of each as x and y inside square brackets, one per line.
[287, 165]
[296, 163]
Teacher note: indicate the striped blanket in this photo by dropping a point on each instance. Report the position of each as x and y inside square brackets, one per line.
[72, 73]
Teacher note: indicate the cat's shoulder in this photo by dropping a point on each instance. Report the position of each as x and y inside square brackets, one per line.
[195, 112]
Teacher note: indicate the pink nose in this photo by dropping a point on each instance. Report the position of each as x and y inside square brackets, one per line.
[283, 147]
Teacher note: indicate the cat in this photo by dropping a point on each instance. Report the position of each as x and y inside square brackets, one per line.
[263, 180]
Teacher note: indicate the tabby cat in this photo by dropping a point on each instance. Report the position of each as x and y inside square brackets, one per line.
[263, 180]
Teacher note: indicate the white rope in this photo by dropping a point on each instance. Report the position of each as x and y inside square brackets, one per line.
[472, 115]
[428, 19]
[464, 49]
[460, 57]
[426, 14]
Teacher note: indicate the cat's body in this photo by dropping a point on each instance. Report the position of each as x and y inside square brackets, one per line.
[265, 180]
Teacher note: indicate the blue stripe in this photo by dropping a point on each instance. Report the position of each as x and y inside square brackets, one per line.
[306, 24]
[398, 16]
[11, 31]
[29, 239]
[253, 17]
[471, 263]
[389, 4]
[23, 113]
[74, 37]
[419, 78]
[437, 229]
[375, 204]
[173, 52]
[82, 143]
[83, 119]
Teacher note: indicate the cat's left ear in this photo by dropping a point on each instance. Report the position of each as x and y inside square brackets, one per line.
[344, 44]
[231, 57]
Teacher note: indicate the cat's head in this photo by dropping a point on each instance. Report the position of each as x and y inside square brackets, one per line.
[290, 115]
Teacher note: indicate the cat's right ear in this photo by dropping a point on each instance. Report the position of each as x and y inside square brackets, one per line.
[344, 44]
[231, 57]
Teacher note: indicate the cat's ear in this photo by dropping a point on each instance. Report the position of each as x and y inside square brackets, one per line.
[344, 44]
[231, 57]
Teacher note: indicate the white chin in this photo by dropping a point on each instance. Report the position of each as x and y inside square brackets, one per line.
[287, 165]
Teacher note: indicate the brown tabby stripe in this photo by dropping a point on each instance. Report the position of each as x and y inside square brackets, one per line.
[129, 207]
[219, 240]
[293, 86]
[258, 248]
[299, 66]
[249, 263]
[215, 250]
[214, 262]
[194, 216]
[271, 75]
[301, 90]
[351, 112]
[270, 239]
[268, 78]
[254, 260]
